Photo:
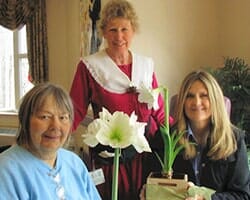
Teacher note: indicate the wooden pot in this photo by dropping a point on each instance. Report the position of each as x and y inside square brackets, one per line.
[166, 186]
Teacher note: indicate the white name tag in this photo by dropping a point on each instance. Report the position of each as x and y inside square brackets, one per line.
[97, 176]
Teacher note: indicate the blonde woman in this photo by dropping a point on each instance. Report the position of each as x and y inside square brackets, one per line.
[219, 158]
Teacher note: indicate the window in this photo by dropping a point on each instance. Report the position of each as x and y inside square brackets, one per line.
[14, 67]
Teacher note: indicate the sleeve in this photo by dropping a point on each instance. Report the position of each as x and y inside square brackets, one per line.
[12, 184]
[87, 184]
[7, 189]
[91, 189]
[238, 187]
[79, 93]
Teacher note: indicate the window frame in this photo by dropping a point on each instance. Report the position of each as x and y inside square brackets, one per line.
[17, 57]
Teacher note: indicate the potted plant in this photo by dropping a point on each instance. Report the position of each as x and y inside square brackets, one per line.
[234, 79]
[165, 183]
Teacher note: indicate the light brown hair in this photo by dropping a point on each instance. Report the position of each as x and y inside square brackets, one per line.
[221, 127]
[118, 9]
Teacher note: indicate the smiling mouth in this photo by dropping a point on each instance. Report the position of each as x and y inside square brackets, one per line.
[198, 112]
[198, 109]
[119, 44]
[51, 137]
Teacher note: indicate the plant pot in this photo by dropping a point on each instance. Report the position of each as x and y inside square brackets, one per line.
[160, 186]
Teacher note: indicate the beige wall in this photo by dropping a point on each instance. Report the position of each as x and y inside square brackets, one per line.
[179, 35]
[175, 34]
[63, 39]
[234, 29]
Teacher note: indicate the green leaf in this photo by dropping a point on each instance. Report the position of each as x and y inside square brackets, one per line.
[171, 148]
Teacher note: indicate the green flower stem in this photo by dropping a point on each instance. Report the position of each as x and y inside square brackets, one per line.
[115, 174]
[167, 141]
[165, 91]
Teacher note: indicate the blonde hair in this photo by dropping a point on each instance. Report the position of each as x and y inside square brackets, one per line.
[221, 127]
[118, 9]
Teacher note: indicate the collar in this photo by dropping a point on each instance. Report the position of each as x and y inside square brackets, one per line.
[110, 77]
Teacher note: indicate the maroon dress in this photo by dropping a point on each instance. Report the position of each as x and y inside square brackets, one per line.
[133, 170]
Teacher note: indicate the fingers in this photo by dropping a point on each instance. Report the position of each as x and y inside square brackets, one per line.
[190, 184]
[196, 197]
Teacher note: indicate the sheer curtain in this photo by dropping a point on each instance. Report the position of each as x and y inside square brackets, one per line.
[16, 13]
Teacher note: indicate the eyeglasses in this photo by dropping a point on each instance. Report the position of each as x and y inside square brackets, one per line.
[59, 188]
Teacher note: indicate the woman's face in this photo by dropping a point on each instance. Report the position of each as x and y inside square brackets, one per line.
[197, 104]
[49, 128]
[118, 33]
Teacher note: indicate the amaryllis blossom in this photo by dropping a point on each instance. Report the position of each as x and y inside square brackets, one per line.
[117, 130]
[149, 96]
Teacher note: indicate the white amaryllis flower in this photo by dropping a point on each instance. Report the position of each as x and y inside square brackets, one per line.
[117, 130]
[149, 96]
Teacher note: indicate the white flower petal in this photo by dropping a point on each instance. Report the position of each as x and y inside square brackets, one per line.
[142, 145]
[117, 130]
[90, 136]
[133, 118]
[105, 114]
[139, 141]
[90, 140]
[106, 154]
[149, 96]
[155, 103]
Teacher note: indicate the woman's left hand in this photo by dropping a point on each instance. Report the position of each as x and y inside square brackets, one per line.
[196, 197]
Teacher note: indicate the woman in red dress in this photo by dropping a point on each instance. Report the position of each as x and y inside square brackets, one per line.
[110, 78]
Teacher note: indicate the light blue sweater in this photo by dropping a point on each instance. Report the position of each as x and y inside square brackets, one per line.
[24, 176]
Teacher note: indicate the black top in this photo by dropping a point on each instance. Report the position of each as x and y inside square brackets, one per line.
[230, 177]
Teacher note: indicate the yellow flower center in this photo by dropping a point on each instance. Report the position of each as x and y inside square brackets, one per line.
[116, 135]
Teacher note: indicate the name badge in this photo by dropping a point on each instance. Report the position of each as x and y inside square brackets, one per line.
[97, 176]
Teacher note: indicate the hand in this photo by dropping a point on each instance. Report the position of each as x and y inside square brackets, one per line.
[143, 193]
[190, 184]
[196, 197]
